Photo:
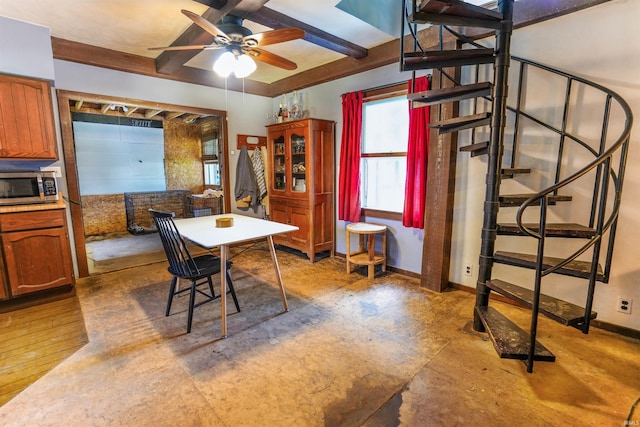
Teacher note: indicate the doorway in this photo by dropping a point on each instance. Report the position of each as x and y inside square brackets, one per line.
[194, 125]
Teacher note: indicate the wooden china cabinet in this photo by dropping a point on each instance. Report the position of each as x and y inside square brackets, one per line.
[301, 181]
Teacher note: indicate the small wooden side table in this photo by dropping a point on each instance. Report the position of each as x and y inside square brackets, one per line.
[366, 255]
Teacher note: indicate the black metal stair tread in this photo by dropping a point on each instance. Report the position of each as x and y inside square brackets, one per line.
[460, 123]
[569, 230]
[518, 199]
[508, 339]
[456, 93]
[574, 268]
[561, 311]
[510, 172]
[446, 58]
[477, 149]
[455, 12]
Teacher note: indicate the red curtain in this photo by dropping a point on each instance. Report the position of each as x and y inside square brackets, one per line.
[349, 184]
[415, 189]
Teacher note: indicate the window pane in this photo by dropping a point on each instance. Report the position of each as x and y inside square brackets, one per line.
[211, 173]
[385, 126]
[382, 183]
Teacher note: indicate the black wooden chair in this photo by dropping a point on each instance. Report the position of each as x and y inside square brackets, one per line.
[183, 266]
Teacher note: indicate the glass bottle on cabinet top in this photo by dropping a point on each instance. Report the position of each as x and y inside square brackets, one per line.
[279, 168]
[298, 164]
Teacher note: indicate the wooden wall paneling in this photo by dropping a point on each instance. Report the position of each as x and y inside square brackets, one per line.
[103, 214]
[183, 156]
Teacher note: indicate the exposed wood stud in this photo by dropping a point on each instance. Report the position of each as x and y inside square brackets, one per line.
[173, 115]
[191, 118]
[104, 108]
[151, 113]
[130, 111]
[78, 105]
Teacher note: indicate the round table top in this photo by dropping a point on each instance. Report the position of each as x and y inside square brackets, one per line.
[366, 228]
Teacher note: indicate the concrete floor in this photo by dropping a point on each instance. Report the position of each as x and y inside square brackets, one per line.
[350, 352]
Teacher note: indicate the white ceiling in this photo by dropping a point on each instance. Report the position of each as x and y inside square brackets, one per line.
[132, 26]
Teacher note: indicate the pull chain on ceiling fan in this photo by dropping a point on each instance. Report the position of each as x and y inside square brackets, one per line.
[241, 45]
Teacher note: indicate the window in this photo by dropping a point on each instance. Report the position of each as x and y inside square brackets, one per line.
[385, 126]
[210, 156]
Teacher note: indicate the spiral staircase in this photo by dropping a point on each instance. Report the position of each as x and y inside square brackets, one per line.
[503, 128]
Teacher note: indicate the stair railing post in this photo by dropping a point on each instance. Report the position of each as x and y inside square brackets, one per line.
[496, 148]
[537, 286]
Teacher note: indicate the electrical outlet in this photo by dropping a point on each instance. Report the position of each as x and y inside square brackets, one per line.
[624, 305]
[56, 169]
[468, 270]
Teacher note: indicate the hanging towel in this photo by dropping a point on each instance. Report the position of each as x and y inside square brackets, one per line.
[267, 175]
[246, 189]
[258, 169]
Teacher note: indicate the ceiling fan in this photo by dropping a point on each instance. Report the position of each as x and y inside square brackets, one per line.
[239, 40]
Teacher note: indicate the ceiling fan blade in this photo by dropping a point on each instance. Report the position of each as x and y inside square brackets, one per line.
[271, 58]
[273, 36]
[192, 47]
[220, 36]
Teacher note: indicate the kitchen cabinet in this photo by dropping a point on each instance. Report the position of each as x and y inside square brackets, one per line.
[3, 292]
[36, 251]
[301, 181]
[27, 129]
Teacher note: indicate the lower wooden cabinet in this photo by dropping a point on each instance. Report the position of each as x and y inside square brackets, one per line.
[36, 252]
[3, 293]
[300, 217]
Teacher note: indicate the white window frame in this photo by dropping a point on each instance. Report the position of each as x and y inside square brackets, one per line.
[395, 91]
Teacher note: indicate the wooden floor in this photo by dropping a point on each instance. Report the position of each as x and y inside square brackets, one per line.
[36, 339]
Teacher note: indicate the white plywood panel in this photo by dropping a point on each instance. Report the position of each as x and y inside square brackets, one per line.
[114, 159]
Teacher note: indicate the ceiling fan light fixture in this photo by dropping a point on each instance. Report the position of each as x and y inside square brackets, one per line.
[244, 66]
[225, 65]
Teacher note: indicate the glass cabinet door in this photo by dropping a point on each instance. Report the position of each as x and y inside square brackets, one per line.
[279, 164]
[298, 163]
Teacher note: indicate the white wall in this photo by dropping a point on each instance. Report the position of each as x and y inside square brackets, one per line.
[25, 49]
[600, 44]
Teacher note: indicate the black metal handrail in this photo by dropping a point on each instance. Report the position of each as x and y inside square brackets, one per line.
[621, 143]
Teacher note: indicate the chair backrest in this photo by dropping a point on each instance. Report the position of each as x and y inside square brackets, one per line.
[180, 261]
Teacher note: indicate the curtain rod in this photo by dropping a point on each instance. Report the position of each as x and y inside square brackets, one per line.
[388, 85]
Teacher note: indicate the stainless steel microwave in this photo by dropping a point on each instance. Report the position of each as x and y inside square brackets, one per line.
[18, 188]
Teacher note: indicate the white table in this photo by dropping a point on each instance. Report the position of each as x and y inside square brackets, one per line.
[203, 232]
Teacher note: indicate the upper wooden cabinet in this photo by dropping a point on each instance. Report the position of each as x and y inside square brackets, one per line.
[301, 181]
[27, 130]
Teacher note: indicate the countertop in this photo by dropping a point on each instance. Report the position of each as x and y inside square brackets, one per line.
[60, 204]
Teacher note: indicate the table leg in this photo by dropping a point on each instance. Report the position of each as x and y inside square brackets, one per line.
[384, 250]
[371, 247]
[274, 258]
[348, 251]
[224, 250]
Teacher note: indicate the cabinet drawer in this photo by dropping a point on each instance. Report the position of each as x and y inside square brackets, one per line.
[293, 203]
[31, 220]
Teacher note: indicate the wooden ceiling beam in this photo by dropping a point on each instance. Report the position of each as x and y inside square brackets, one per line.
[276, 20]
[170, 61]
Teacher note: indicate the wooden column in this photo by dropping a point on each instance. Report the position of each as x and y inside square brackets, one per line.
[441, 175]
